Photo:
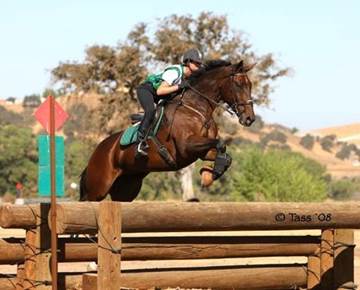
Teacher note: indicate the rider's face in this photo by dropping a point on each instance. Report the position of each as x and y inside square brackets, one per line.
[194, 66]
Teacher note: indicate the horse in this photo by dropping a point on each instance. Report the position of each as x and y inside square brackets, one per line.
[188, 132]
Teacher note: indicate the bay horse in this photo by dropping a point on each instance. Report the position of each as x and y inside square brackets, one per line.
[188, 132]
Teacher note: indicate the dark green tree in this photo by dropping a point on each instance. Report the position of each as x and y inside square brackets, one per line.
[31, 101]
[275, 135]
[327, 142]
[18, 159]
[277, 175]
[307, 141]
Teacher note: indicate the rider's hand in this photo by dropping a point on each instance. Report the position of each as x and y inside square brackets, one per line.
[184, 85]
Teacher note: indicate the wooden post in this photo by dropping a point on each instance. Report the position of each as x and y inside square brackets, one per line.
[327, 259]
[53, 244]
[43, 247]
[313, 270]
[109, 240]
[344, 259]
[20, 277]
[30, 259]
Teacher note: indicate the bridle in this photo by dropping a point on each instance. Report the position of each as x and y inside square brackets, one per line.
[233, 109]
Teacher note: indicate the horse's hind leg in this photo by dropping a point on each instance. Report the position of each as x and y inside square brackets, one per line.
[126, 187]
[96, 183]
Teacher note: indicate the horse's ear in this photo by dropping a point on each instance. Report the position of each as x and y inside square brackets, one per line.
[248, 67]
[241, 67]
[238, 67]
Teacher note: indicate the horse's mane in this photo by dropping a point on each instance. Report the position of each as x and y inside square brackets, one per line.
[209, 66]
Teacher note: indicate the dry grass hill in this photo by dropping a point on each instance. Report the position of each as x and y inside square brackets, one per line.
[347, 133]
[337, 167]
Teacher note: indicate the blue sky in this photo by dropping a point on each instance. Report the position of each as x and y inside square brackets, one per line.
[320, 40]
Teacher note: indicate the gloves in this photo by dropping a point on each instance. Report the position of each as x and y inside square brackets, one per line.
[184, 85]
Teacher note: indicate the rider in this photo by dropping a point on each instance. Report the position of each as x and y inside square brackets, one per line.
[157, 86]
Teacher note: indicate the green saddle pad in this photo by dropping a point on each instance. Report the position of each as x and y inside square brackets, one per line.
[131, 134]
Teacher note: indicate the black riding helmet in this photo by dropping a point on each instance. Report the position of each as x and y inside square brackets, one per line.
[192, 55]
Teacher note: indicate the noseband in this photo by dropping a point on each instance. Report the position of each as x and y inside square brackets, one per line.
[235, 105]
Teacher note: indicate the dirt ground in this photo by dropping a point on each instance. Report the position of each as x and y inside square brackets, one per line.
[83, 267]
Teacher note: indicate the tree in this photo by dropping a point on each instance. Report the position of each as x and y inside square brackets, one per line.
[11, 100]
[115, 72]
[327, 142]
[51, 92]
[80, 122]
[274, 135]
[31, 101]
[77, 153]
[277, 175]
[342, 189]
[307, 141]
[18, 159]
[344, 152]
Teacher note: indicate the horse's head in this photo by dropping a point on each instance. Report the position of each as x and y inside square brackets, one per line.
[236, 92]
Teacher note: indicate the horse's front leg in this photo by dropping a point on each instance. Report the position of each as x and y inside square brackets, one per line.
[222, 160]
[209, 149]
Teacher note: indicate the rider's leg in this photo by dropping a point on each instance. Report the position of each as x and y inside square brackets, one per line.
[146, 100]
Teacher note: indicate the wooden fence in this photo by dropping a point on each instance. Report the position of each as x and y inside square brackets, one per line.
[330, 256]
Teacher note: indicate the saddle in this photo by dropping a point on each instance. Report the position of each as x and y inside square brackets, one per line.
[130, 134]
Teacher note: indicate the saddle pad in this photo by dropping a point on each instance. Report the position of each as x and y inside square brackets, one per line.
[131, 133]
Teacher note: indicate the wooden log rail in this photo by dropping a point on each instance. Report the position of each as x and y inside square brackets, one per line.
[12, 251]
[240, 277]
[76, 217]
[172, 216]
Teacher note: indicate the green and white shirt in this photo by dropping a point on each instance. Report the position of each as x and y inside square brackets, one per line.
[172, 75]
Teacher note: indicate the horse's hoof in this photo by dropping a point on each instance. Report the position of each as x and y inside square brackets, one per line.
[206, 176]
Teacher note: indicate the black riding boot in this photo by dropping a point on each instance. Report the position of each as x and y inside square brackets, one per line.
[145, 94]
[142, 146]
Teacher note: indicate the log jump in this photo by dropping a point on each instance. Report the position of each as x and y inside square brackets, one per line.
[329, 256]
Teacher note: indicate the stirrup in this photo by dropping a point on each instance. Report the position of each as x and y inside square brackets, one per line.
[141, 150]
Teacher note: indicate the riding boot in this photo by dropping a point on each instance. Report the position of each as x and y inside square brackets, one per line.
[142, 146]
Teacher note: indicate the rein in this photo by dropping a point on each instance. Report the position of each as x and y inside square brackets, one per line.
[233, 108]
[217, 104]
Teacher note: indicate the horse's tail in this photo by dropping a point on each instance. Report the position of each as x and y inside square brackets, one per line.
[83, 195]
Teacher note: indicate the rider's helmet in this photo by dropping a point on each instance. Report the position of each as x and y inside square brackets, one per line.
[192, 55]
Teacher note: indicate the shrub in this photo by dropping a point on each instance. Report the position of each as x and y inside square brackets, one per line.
[307, 141]
[344, 152]
[274, 135]
[327, 142]
[341, 189]
[32, 101]
[277, 175]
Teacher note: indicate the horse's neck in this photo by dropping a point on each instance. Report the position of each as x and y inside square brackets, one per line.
[200, 103]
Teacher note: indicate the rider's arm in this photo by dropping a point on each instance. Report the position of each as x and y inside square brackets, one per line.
[166, 89]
